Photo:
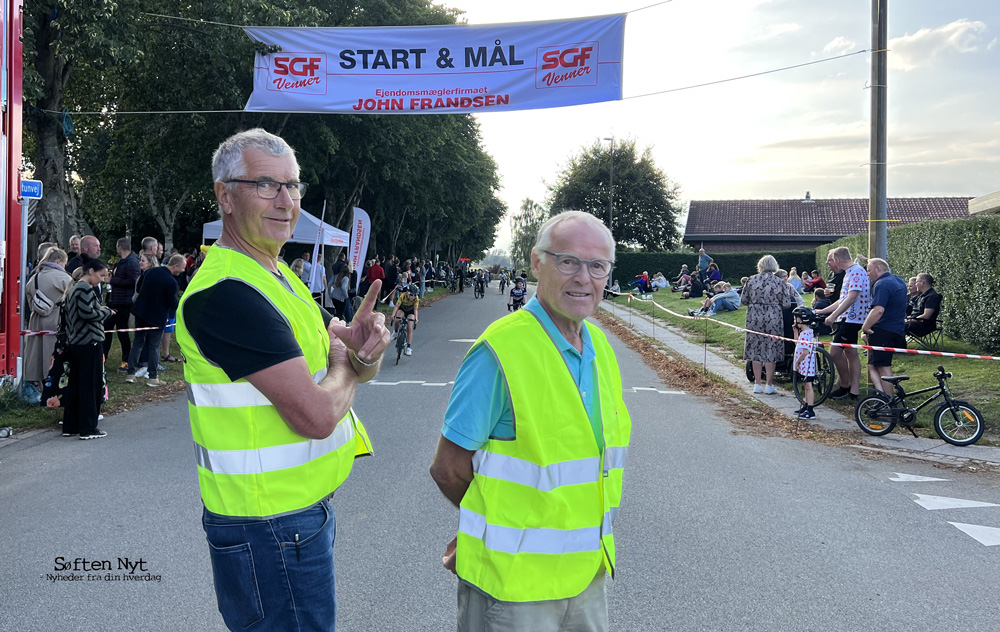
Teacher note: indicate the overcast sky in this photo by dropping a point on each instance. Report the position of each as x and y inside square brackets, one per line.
[779, 135]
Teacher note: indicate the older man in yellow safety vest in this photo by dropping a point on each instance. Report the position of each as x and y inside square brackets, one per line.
[271, 378]
[533, 448]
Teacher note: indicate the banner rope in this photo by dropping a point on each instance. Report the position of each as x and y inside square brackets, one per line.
[945, 354]
[107, 331]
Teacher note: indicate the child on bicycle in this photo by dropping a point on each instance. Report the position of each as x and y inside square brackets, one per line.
[804, 358]
[518, 294]
[407, 305]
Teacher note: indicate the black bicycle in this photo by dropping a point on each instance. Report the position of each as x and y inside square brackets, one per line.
[955, 421]
[826, 375]
[401, 334]
[480, 289]
[503, 284]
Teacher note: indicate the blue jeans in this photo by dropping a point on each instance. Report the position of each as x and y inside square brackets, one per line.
[724, 304]
[277, 574]
[147, 344]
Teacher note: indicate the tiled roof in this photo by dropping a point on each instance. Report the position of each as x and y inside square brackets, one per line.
[814, 217]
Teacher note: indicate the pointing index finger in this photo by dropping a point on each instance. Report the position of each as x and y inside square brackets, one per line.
[368, 304]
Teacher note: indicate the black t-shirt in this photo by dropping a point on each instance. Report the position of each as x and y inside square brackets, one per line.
[836, 282]
[241, 341]
[928, 300]
[518, 295]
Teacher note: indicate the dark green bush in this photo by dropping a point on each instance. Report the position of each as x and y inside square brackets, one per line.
[733, 265]
[963, 256]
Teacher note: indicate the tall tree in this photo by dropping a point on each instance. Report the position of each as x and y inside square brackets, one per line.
[526, 224]
[646, 202]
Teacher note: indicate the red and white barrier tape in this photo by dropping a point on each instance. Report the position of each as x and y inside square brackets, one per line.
[945, 354]
[107, 331]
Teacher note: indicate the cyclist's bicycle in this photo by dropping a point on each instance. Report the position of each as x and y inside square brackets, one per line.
[401, 334]
[503, 284]
[480, 289]
[826, 375]
[955, 421]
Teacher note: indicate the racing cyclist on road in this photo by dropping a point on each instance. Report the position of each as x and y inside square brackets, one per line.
[407, 305]
[517, 295]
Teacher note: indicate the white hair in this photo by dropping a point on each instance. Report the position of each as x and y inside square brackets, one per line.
[544, 240]
[767, 263]
[227, 162]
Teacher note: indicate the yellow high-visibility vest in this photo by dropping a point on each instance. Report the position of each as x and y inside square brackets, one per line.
[536, 522]
[250, 462]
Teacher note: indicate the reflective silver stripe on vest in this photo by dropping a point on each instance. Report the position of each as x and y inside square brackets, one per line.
[541, 477]
[614, 458]
[273, 458]
[233, 394]
[609, 519]
[511, 540]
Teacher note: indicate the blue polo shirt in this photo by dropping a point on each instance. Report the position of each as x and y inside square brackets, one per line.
[480, 408]
[889, 292]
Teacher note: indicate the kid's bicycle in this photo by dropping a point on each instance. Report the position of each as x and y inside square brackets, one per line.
[401, 327]
[957, 422]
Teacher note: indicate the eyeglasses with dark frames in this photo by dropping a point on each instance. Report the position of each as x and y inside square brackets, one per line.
[569, 264]
[269, 189]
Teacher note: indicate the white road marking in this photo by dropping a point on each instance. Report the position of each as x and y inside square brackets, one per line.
[417, 382]
[435, 384]
[987, 536]
[636, 389]
[469, 340]
[913, 478]
[942, 502]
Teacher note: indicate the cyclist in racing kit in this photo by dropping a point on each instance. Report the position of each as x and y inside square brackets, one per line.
[407, 305]
[481, 281]
[503, 280]
[517, 295]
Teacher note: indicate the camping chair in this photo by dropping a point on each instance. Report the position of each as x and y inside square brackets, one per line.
[931, 340]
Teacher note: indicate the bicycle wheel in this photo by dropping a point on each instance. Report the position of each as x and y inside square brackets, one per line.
[962, 426]
[750, 375]
[400, 342]
[826, 374]
[874, 415]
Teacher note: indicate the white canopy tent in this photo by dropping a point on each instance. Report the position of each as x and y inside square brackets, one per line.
[306, 231]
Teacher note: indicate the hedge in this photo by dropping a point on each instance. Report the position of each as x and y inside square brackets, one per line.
[732, 265]
[963, 256]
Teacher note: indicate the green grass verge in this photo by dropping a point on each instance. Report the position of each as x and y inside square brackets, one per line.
[976, 381]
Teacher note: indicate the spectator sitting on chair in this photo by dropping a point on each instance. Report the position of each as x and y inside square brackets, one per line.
[923, 318]
[725, 298]
[911, 295]
[713, 273]
[659, 281]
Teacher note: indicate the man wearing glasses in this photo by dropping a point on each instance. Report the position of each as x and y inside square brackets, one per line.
[271, 378]
[533, 448]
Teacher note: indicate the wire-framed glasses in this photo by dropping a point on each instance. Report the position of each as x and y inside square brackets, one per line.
[568, 264]
[269, 189]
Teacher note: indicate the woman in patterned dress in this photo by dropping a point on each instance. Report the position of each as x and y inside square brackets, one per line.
[765, 295]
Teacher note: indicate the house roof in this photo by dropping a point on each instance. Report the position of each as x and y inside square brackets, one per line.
[829, 218]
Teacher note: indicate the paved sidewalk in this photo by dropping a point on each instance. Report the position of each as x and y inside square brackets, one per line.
[784, 401]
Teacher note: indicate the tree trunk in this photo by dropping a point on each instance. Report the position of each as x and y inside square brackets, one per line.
[168, 217]
[58, 215]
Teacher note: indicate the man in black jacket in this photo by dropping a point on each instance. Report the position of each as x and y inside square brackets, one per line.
[157, 297]
[122, 288]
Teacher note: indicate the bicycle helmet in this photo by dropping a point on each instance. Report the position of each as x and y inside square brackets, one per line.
[806, 315]
[412, 289]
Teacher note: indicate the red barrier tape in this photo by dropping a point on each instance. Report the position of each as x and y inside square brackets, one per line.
[945, 354]
[107, 331]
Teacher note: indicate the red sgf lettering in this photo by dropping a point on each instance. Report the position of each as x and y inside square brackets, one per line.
[298, 66]
[568, 58]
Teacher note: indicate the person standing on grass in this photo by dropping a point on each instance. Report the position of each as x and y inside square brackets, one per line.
[157, 299]
[123, 281]
[848, 313]
[884, 326]
[804, 358]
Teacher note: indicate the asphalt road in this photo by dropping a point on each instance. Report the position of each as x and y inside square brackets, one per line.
[718, 530]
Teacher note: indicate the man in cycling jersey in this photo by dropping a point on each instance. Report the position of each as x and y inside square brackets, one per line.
[408, 305]
[481, 280]
[517, 295]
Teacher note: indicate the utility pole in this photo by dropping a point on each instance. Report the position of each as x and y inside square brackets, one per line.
[611, 194]
[878, 211]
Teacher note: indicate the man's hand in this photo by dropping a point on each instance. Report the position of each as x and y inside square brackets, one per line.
[829, 321]
[367, 335]
[449, 560]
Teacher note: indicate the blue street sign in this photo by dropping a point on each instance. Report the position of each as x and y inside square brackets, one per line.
[31, 189]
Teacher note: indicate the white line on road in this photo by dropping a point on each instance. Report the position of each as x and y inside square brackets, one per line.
[942, 502]
[636, 389]
[987, 536]
[417, 382]
[468, 340]
[913, 478]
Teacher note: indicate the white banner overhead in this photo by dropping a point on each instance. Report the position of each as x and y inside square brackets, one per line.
[439, 69]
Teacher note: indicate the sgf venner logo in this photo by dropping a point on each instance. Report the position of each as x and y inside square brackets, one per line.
[566, 66]
[297, 72]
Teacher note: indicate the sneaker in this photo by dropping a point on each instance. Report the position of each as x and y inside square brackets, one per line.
[408, 351]
[155, 382]
[130, 378]
[691, 312]
[98, 434]
[123, 368]
[807, 414]
[100, 418]
[801, 410]
[770, 390]
[840, 393]
[756, 388]
[143, 372]
[160, 367]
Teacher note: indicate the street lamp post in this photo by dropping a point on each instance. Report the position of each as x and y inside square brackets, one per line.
[611, 194]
